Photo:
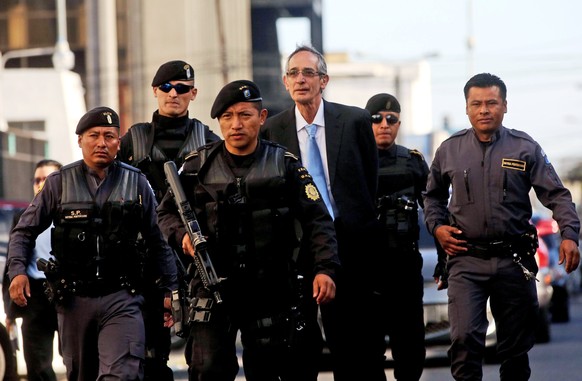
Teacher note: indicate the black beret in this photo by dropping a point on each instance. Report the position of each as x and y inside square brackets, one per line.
[234, 92]
[382, 102]
[173, 71]
[97, 117]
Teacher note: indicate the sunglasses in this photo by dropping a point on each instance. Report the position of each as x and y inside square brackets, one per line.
[390, 119]
[180, 88]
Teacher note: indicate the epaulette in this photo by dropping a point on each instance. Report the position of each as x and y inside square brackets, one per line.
[127, 166]
[417, 152]
[191, 155]
[292, 156]
[520, 134]
[462, 132]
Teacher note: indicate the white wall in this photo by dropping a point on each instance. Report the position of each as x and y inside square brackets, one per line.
[53, 96]
[354, 83]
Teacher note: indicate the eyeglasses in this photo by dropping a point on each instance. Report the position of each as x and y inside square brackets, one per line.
[307, 73]
[390, 119]
[180, 88]
[38, 180]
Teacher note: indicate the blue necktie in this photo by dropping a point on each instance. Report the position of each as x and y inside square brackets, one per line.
[315, 167]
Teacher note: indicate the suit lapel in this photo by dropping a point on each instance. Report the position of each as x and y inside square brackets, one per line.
[288, 132]
[333, 132]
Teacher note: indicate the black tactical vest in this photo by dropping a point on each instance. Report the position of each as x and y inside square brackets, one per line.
[97, 243]
[397, 204]
[248, 218]
[150, 159]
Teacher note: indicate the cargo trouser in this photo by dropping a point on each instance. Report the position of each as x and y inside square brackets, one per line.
[514, 305]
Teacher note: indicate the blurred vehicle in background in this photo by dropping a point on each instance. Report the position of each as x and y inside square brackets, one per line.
[545, 292]
[564, 285]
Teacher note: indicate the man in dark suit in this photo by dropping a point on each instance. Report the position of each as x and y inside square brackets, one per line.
[350, 171]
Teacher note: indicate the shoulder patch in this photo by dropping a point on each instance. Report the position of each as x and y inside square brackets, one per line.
[311, 192]
[546, 159]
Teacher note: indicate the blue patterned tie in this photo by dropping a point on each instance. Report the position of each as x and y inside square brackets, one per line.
[315, 167]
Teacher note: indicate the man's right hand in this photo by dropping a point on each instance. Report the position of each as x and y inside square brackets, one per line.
[445, 234]
[20, 290]
[323, 289]
[187, 246]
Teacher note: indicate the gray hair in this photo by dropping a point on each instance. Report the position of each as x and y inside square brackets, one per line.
[321, 64]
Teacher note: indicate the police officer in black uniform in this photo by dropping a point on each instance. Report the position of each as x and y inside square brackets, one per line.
[248, 195]
[402, 177]
[171, 135]
[98, 207]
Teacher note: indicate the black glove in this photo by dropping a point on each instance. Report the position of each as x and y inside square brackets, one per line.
[440, 270]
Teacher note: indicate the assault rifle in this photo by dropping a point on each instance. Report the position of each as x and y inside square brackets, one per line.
[201, 259]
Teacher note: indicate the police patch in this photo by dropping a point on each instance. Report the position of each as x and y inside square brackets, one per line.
[311, 192]
[546, 159]
[513, 164]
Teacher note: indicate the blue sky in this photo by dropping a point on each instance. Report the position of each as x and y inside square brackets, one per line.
[534, 46]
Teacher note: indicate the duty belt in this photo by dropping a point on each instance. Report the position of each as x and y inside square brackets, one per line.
[97, 288]
[491, 249]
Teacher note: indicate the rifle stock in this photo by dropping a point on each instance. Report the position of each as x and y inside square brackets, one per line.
[201, 259]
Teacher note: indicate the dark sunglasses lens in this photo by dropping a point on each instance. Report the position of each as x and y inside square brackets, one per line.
[166, 87]
[376, 118]
[180, 88]
[391, 119]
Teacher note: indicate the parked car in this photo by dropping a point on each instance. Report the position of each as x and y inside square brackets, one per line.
[563, 284]
[437, 337]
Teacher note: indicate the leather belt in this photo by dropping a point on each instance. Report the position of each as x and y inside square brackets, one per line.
[97, 288]
[490, 249]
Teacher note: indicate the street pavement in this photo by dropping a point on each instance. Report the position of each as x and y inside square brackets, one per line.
[556, 360]
[550, 361]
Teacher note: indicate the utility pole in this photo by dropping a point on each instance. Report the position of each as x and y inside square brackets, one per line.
[102, 68]
[63, 58]
[470, 40]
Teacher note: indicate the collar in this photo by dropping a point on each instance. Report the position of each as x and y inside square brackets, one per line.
[388, 152]
[162, 123]
[301, 123]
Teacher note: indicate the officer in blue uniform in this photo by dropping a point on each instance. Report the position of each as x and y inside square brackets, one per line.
[484, 227]
[98, 207]
[248, 195]
[39, 318]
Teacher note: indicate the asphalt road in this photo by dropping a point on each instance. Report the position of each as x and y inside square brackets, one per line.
[557, 360]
